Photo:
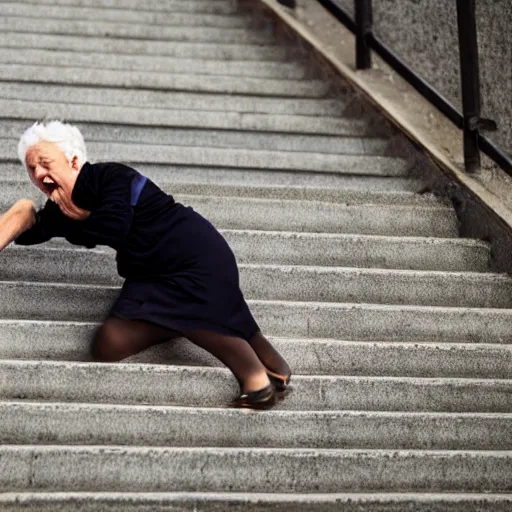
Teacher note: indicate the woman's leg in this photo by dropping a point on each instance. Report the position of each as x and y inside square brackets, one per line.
[236, 354]
[117, 339]
[269, 356]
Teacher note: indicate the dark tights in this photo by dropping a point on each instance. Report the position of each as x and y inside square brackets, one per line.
[249, 360]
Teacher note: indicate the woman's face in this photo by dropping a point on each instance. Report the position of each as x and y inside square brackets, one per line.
[50, 170]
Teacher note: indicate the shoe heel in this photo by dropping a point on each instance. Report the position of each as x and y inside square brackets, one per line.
[280, 385]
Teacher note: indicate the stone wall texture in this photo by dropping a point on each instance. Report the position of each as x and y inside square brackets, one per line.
[424, 34]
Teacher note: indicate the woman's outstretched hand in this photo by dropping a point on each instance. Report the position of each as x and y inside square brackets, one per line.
[20, 217]
[67, 206]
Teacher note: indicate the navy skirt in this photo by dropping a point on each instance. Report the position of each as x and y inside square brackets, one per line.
[200, 291]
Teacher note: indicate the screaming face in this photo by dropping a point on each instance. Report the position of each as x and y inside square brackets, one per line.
[50, 170]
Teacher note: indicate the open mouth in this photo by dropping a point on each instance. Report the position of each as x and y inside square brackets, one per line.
[49, 185]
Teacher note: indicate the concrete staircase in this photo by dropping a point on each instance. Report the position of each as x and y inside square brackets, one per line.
[399, 336]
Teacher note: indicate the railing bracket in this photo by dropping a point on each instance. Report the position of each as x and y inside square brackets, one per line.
[481, 124]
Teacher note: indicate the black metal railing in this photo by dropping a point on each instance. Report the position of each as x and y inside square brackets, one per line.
[469, 120]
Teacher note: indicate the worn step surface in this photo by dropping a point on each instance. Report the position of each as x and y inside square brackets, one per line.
[286, 282]
[215, 387]
[203, 183]
[306, 356]
[157, 99]
[139, 16]
[285, 248]
[350, 321]
[85, 424]
[316, 216]
[315, 185]
[254, 502]
[96, 61]
[139, 136]
[134, 31]
[222, 6]
[358, 250]
[163, 81]
[70, 468]
[242, 158]
[243, 121]
[181, 49]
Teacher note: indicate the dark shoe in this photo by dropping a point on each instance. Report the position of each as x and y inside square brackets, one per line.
[288, 3]
[278, 381]
[262, 399]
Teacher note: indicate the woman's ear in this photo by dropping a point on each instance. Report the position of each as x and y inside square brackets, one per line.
[74, 163]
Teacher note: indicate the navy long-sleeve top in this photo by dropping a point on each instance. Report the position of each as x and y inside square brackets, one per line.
[142, 236]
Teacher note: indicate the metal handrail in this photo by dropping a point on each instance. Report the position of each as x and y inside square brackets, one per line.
[469, 120]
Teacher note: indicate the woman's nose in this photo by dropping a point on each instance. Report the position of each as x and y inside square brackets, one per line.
[39, 172]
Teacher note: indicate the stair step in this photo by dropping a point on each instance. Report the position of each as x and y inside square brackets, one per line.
[285, 282]
[158, 81]
[94, 424]
[43, 301]
[182, 49]
[239, 157]
[252, 502]
[316, 216]
[131, 31]
[187, 118]
[196, 6]
[29, 340]
[147, 135]
[163, 100]
[13, 190]
[358, 251]
[376, 286]
[386, 323]
[332, 185]
[146, 117]
[164, 65]
[68, 468]
[139, 17]
[326, 357]
[346, 196]
[195, 386]
[285, 248]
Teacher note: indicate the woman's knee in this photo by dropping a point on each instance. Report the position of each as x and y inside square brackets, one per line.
[110, 342]
[117, 339]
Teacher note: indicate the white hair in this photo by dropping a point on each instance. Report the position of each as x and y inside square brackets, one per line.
[67, 137]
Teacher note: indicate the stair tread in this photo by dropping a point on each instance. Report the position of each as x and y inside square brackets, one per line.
[131, 31]
[204, 50]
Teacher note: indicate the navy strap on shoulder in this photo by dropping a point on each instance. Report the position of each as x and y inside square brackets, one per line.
[138, 183]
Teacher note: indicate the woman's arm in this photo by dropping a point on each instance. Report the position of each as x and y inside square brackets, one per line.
[18, 219]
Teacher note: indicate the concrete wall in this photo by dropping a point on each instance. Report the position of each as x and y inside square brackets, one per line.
[424, 34]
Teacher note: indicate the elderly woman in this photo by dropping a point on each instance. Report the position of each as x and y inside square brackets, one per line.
[181, 277]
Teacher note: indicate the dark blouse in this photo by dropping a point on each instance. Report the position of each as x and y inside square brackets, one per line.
[140, 235]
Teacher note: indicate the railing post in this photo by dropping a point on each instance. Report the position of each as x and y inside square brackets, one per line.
[364, 26]
[470, 83]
